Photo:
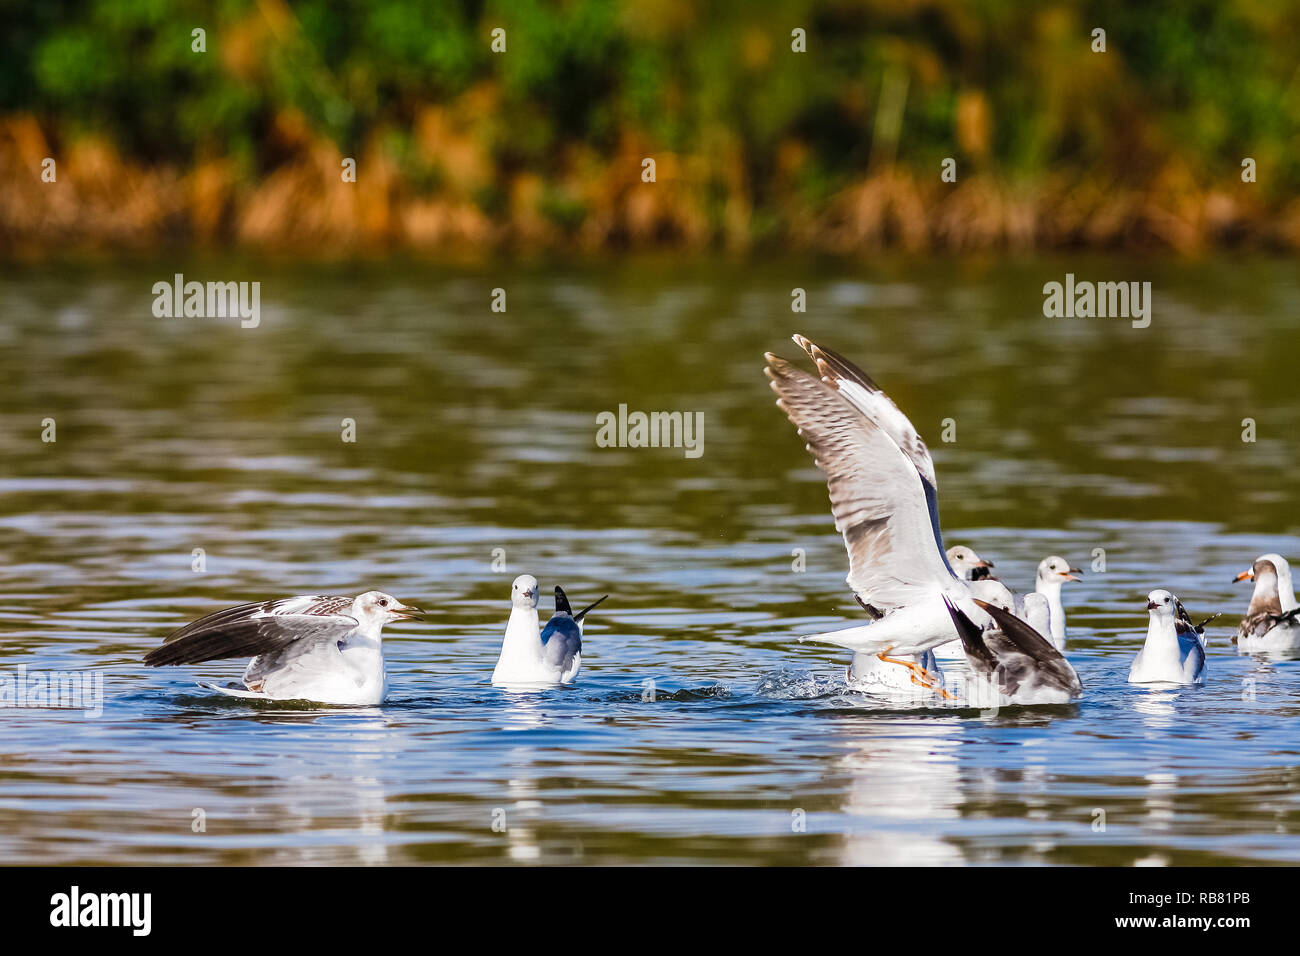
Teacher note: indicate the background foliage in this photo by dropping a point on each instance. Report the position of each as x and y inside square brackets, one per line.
[837, 148]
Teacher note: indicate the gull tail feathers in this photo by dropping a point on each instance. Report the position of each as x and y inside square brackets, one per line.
[864, 638]
[562, 605]
[583, 613]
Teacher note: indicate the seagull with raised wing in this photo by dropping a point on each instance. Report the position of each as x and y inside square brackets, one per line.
[540, 657]
[1174, 652]
[1012, 662]
[316, 648]
[883, 496]
[1272, 621]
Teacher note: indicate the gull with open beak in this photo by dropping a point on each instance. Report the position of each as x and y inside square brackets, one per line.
[327, 650]
[883, 496]
[1272, 621]
[1174, 652]
[1052, 573]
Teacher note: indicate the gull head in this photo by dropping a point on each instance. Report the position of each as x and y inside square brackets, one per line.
[378, 607]
[1057, 570]
[523, 593]
[1162, 603]
[964, 561]
[1263, 570]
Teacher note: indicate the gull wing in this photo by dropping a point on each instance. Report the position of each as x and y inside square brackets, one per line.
[561, 641]
[1022, 652]
[877, 495]
[252, 629]
[866, 396]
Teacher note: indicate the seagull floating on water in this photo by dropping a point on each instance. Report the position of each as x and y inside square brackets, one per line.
[327, 650]
[1174, 652]
[1052, 573]
[1272, 621]
[540, 657]
[1013, 662]
[883, 496]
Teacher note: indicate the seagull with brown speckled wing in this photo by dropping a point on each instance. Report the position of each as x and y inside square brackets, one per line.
[327, 650]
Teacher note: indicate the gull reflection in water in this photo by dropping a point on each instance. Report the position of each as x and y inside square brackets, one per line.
[904, 775]
[517, 819]
[1161, 800]
[345, 813]
[1156, 706]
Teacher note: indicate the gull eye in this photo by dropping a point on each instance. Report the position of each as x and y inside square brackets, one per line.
[383, 602]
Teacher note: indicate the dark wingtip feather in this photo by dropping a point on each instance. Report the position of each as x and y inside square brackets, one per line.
[583, 613]
[972, 636]
[561, 601]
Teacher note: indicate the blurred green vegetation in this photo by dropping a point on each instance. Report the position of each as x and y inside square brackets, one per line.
[765, 138]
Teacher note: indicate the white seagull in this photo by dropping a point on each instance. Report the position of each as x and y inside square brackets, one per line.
[1174, 652]
[1272, 621]
[881, 675]
[1013, 663]
[327, 650]
[882, 488]
[540, 657]
[968, 565]
[1052, 573]
[1038, 615]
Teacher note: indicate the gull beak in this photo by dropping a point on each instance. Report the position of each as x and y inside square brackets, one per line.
[1073, 575]
[1245, 576]
[984, 564]
[1152, 605]
[408, 611]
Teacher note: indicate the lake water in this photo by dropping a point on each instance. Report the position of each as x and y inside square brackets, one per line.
[475, 443]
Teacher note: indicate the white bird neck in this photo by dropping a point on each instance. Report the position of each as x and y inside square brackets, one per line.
[1269, 594]
[1056, 610]
[1285, 589]
[368, 633]
[1162, 639]
[523, 640]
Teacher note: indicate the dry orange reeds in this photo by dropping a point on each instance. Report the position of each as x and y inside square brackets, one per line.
[586, 201]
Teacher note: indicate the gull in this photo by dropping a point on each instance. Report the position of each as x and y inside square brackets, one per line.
[1054, 571]
[968, 565]
[1049, 619]
[545, 657]
[1174, 652]
[1272, 621]
[1038, 615]
[893, 677]
[323, 649]
[1013, 662]
[882, 487]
